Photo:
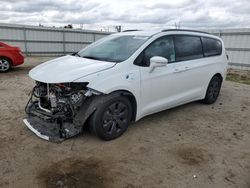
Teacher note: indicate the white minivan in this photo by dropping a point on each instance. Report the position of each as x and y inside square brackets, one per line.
[122, 78]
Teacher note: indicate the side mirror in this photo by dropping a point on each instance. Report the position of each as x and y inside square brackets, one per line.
[157, 61]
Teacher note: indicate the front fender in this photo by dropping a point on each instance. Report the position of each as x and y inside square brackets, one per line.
[113, 79]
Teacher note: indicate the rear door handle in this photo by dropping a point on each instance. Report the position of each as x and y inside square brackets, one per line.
[177, 70]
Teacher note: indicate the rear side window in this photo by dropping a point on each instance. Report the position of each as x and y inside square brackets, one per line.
[187, 47]
[211, 46]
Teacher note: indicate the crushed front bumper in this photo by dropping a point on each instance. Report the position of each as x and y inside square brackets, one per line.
[50, 131]
[45, 130]
[49, 127]
[39, 134]
[57, 127]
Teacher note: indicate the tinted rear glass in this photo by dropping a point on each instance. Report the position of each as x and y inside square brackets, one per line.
[211, 46]
[188, 47]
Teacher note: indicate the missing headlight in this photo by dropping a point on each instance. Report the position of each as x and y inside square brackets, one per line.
[76, 97]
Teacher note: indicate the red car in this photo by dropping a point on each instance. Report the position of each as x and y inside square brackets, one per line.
[9, 57]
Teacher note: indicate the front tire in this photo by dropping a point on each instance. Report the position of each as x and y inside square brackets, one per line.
[111, 120]
[5, 64]
[213, 90]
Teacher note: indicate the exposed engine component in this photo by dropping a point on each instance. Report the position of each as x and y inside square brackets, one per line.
[59, 99]
[53, 100]
[76, 97]
[40, 90]
[55, 110]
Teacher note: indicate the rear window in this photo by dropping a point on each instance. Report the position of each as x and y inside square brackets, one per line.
[211, 46]
[188, 47]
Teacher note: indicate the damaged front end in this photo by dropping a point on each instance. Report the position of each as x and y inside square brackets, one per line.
[58, 111]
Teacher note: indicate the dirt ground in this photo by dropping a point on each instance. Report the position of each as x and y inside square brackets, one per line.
[194, 145]
[241, 76]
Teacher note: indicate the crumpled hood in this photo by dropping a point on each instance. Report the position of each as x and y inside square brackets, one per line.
[67, 69]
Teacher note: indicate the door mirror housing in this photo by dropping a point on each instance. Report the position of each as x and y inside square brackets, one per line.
[157, 61]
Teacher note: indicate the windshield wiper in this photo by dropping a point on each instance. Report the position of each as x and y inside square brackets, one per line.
[90, 57]
[75, 54]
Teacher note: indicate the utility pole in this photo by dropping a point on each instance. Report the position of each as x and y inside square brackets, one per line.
[118, 28]
[177, 25]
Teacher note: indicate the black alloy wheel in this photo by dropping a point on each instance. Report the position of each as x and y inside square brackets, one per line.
[111, 119]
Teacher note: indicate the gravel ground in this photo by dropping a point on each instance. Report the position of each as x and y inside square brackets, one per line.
[194, 145]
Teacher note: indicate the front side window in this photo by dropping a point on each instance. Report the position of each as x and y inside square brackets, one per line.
[163, 47]
[114, 48]
[211, 46]
[187, 47]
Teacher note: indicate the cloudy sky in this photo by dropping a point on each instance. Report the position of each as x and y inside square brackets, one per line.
[141, 14]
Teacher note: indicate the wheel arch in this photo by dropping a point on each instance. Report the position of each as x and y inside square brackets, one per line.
[8, 58]
[219, 75]
[208, 101]
[132, 100]
[91, 104]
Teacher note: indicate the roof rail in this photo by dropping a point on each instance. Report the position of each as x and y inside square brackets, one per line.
[130, 30]
[184, 30]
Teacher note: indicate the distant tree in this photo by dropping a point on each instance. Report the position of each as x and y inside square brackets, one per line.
[69, 26]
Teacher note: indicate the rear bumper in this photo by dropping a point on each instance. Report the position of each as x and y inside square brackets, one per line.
[19, 60]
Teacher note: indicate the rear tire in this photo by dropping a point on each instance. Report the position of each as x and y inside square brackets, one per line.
[111, 120]
[213, 90]
[5, 64]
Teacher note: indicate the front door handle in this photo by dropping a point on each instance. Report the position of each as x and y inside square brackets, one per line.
[177, 70]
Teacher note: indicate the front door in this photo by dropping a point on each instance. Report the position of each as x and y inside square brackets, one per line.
[169, 85]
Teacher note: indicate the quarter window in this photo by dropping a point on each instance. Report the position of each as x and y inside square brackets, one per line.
[211, 46]
[188, 47]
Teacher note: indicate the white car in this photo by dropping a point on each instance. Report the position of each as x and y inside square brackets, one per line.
[121, 78]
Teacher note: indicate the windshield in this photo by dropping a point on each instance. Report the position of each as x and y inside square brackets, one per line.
[113, 48]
